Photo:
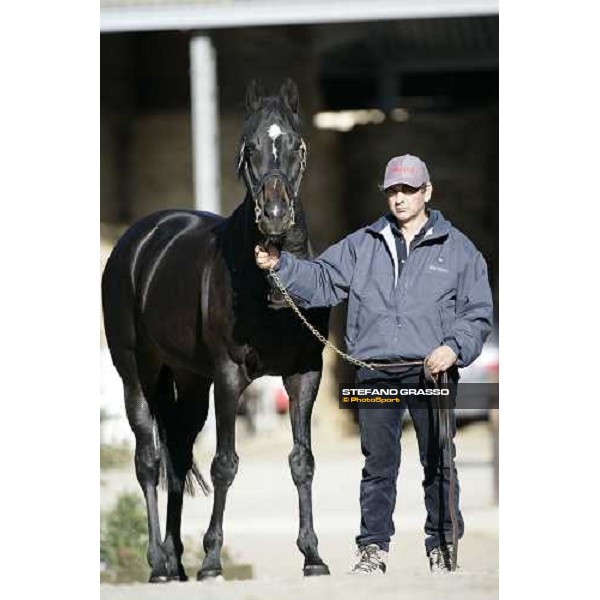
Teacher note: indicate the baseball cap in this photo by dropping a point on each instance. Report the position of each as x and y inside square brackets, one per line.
[407, 169]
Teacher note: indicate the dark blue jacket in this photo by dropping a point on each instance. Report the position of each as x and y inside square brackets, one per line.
[442, 296]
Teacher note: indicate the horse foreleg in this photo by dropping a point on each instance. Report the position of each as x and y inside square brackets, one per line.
[302, 390]
[229, 384]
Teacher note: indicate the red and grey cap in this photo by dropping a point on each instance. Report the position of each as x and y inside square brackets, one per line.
[407, 169]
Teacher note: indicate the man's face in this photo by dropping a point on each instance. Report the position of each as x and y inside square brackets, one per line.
[407, 202]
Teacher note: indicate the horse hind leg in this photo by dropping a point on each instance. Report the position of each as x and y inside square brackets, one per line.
[147, 461]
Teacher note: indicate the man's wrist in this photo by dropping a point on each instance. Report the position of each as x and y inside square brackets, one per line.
[451, 343]
[281, 260]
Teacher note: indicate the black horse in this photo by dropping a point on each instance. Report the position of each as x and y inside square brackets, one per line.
[186, 306]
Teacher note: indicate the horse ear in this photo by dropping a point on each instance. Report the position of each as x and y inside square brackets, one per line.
[254, 96]
[289, 93]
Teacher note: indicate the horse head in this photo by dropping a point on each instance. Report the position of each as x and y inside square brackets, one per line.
[272, 157]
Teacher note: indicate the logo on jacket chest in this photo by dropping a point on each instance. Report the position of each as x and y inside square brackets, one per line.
[438, 267]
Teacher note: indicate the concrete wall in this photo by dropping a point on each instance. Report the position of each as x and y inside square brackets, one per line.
[161, 162]
[149, 169]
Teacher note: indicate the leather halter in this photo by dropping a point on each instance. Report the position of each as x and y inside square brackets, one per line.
[254, 185]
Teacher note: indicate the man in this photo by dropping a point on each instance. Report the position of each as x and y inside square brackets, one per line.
[417, 288]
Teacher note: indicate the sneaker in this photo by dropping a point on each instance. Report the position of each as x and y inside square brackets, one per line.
[440, 559]
[372, 560]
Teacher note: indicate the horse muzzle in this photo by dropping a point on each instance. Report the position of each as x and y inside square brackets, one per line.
[274, 208]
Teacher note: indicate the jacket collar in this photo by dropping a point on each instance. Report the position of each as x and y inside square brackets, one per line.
[441, 227]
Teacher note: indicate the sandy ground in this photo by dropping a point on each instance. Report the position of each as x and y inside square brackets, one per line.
[261, 523]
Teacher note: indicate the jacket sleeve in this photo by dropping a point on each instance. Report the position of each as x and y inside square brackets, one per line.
[321, 282]
[474, 311]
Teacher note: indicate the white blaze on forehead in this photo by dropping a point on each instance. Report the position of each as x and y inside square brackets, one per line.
[274, 133]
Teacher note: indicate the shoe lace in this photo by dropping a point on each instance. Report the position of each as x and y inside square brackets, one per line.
[441, 558]
[369, 558]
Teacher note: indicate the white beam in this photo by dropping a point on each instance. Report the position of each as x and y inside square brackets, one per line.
[205, 139]
[272, 12]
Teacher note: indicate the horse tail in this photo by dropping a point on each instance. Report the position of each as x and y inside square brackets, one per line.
[193, 479]
[195, 476]
[168, 453]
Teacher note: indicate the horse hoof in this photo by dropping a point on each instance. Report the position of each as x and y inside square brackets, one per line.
[167, 578]
[216, 574]
[310, 570]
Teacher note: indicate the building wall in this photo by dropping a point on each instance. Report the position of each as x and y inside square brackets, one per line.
[110, 175]
[161, 162]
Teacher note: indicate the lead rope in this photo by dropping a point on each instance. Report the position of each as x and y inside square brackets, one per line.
[445, 444]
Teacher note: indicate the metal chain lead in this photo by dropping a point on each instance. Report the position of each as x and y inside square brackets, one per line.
[325, 341]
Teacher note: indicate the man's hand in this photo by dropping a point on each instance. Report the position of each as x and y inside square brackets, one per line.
[266, 258]
[441, 359]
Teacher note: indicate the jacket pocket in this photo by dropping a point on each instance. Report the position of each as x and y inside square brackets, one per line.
[375, 333]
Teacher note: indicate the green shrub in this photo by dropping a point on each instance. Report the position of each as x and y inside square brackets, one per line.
[124, 541]
[115, 457]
